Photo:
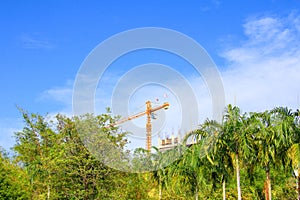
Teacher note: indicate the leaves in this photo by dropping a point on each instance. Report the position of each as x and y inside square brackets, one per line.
[66, 158]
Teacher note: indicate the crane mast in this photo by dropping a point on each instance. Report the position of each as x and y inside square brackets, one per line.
[148, 126]
[148, 112]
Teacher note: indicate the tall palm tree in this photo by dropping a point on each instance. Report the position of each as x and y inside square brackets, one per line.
[160, 173]
[223, 160]
[212, 151]
[217, 152]
[193, 168]
[294, 155]
[294, 150]
[270, 139]
[265, 146]
[234, 138]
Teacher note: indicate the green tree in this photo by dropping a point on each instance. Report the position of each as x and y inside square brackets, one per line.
[220, 154]
[160, 174]
[270, 140]
[294, 150]
[210, 133]
[234, 139]
[55, 156]
[14, 182]
[194, 168]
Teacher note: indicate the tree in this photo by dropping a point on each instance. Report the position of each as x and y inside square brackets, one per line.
[215, 149]
[220, 154]
[160, 173]
[234, 138]
[55, 156]
[34, 145]
[67, 158]
[194, 168]
[294, 150]
[270, 140]
[14, 182]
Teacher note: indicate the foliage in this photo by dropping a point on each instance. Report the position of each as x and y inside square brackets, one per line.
[14, 182]
[67, 158]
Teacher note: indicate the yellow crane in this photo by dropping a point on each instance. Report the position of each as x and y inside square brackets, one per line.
[149, 111]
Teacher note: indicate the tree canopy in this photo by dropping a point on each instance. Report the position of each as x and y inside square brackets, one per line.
[247, 155]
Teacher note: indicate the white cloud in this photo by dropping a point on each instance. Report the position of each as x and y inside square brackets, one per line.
[263, 72]
[35, 41]
[208, 5]
[8, 126]
[61, 95]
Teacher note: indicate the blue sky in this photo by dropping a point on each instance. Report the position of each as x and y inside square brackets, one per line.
[255, 45]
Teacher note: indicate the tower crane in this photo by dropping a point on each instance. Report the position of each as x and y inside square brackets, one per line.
[149, 112]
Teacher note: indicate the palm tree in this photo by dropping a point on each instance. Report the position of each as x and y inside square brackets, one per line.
[212, 152]
[194, 169]
[294, 155]
[224, 164]
[217, 152]
[265, 147]
[294, 150]
[234, 138]
[269, 141]
[160, 173]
